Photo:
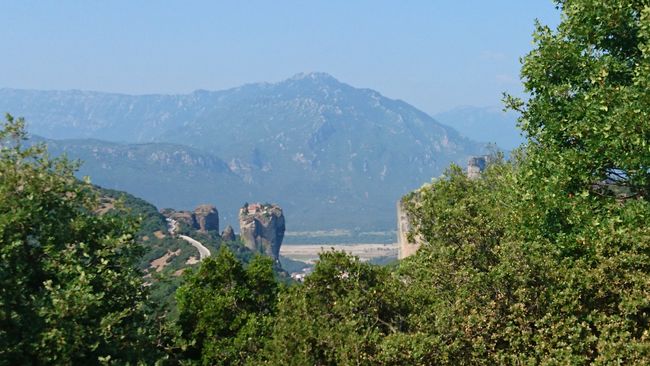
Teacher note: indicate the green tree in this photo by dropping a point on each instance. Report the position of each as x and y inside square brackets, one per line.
[584, 211]
[587, 116]
[225, 310]
[70, 292]
[339, 316]
[459, 285]
[546, 260]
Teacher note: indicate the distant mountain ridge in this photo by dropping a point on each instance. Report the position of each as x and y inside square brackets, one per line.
[330, 154]
[170, 175]
[485, 124]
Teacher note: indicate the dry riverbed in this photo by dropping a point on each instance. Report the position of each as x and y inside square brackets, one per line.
[309, 252]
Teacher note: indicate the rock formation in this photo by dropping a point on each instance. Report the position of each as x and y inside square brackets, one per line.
[261, 228]
[206, 218]
[203, 218]
[182, 217]
[406, 248]
[476, 165]
[228, 234]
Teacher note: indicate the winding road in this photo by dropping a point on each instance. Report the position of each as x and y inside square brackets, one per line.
[203, 251]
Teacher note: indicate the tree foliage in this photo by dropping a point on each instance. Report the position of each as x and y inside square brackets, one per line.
[338, 317]
[587, 116]
[457, 292]
[70, 292]
[546, 259]
[583, 185]
[225, 310]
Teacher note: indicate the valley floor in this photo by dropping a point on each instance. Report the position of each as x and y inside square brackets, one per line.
[309, 252]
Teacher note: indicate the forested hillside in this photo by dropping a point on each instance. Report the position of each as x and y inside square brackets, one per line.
[168, 175]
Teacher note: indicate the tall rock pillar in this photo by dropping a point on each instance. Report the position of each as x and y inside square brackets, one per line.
[261, 228]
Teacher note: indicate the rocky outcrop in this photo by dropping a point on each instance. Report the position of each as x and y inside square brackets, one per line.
[406, 247]
[476, 165]
[228, 234]
[206, 218]
[183, 218]
[261, 228]
[203, 218]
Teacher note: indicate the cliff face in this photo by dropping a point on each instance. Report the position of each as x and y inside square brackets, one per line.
[182, 217]
[203, 218]
[206, 218]
[406, 248]
[261, 228]
[228, 234]
[476, 165]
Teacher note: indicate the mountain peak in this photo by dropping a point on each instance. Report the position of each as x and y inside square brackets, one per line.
[315, 76]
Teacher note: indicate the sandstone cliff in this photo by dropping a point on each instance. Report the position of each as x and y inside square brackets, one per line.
[228, 234]
[203, 218]
[184, 218]
[261, 228]
[206, 218]
[476, 165]
[406, 247]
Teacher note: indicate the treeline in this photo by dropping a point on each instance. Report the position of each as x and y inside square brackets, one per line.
[544, 259]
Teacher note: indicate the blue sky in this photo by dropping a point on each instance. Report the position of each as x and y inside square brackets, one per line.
[433, 54]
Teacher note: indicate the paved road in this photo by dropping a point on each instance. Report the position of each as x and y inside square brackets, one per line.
[171, 226]
[203, 251]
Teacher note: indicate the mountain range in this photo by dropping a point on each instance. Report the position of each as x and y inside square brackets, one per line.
[332, 155]
[486, 124]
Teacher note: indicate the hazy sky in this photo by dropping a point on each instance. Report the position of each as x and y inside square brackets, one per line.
[433, 54]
